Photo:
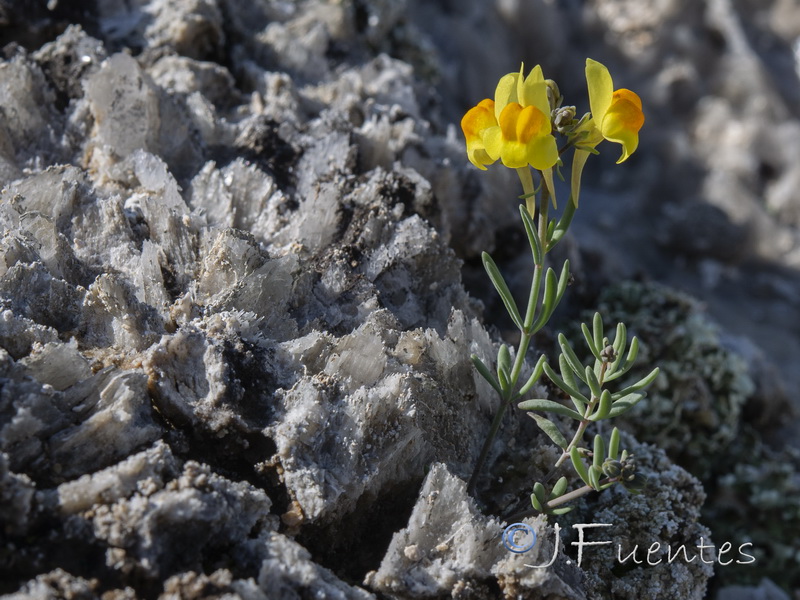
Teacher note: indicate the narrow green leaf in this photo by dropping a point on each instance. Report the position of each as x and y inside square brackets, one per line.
[540, 492]
[597, 330]
[533, 236]
[613, 444]
[590, 341]
[548, 300]
[502, 289]
[486, 373]
[551, 374]
[563, 282]
[603, 407]
[623, 405]
[633, 352]
[639, 385]
[505, 385]
[592, 382]
[561, 510]
[550, 429]
[619, 345]
[559, 488]
[569, 378]
[563, 224]
[594, 474]
[503, 362]
[536, 504]
[599, 452]
[620, 339]
[567, 374]
[577, 463]
[537, 373]
[571, 357]
[550, 406]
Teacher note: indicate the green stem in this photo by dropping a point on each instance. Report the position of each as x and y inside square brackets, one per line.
[576, 439]
[525, 333]
[556, 502]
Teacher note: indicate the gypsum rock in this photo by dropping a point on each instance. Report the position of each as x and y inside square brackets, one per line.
[69, 421]
[450, 548]
[156, 516]
[131, 113]
[56, 584]
[31, 127]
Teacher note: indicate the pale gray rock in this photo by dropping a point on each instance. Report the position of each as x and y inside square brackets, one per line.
[31, 126]
[68, 421]
[131, 113]
[182, 75]
[67, 60]
[142, 472]
[219, 584]
[450, 548]
[202, 510]
[56, 584]
[289, 572]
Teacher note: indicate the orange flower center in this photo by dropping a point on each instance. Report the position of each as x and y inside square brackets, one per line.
[520, 124]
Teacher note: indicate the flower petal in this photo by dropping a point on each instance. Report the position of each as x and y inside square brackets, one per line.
[623, 121]
[531, 123]
[505, 92]
[629, 141]
[493, 142]
[477, 119]
[533, 92]
[514, 154]
[508, 121]
[601, 88]
[479, 157]
[543, 152]
[625, 112]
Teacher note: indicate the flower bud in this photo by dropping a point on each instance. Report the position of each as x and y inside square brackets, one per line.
[608, 354]
[563, 118]
[553, 94]
[612, 468]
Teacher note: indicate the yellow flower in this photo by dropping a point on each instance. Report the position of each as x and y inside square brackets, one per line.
[515, 127]
[477, 120]
[522, 135]
[616, 114]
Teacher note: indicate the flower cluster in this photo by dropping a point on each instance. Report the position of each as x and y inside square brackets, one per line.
[517, 126]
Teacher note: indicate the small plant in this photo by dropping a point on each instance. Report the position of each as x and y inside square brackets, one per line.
[517, 128]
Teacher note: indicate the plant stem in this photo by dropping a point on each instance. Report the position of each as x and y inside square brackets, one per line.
[584, 423]
[556, 502]
[525, 333]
